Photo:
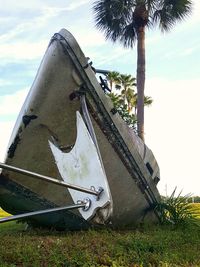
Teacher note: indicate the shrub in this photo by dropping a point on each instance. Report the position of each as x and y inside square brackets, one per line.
[177, 210]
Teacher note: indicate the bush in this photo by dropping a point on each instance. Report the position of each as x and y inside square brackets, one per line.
[177, 210]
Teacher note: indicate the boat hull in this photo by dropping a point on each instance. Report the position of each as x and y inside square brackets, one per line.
[49, 115]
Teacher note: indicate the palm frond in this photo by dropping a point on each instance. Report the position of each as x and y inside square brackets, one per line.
[121, 19]
[113, 77]
[168, 12]
[111, 17]
[148, 101]
[129, 35]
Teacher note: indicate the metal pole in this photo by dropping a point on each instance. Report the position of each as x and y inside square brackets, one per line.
[34, 213]
[51, 180]
[102, 71]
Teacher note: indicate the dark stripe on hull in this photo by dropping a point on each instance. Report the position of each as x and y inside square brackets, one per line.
[16, 199]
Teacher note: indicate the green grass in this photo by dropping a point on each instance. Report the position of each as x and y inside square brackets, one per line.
[9, 226]
[196, 208]
[3, 213]
[146, 246]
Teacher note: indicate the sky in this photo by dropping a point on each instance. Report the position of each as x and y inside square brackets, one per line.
[172, 124]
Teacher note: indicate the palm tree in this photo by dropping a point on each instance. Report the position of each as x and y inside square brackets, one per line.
[127, 83]
[147, 101]
[113, 77]
[131, 98]
[123, 110]
[127, 20]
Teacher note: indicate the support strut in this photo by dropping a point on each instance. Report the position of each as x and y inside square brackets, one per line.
[85, 204]
[91, 191]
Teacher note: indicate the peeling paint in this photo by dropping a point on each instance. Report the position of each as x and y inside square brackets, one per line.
[27, 119]
[12, 148]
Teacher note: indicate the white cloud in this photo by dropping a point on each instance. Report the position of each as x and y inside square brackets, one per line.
[173, 130]
[117, 54]
[183, 51]
[10, 5]
[11, 104]
[189, 50]
[27, 39]
[89, 38]
[73, 5]
[30, 25]
[23, 50]
[6, 130]
[196, 11]
[4, 82]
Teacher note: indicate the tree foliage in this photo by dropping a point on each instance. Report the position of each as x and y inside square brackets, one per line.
[126, 21]
[122, 109]
[125, 97]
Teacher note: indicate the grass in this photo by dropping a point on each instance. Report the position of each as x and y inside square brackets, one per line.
[196, 208]
[146, 246]
[3, 213]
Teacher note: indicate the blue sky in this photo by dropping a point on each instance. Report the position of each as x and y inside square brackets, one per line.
[173, 76]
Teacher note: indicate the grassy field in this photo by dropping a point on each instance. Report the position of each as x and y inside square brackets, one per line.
[196, 207]
[3, 213]
[147, 246]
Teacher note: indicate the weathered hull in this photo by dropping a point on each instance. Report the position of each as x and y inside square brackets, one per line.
[50, 111]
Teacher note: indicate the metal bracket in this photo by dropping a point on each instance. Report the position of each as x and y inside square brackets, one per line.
[86, 202]
[99, 191]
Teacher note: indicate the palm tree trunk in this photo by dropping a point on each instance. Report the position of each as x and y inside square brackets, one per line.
[140, 80]
[111, 83]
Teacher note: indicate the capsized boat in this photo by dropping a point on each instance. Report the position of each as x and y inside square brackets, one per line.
[72, 163]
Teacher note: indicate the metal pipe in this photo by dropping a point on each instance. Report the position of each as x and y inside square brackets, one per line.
[50, 179]
[102, 71]
[40, 212]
